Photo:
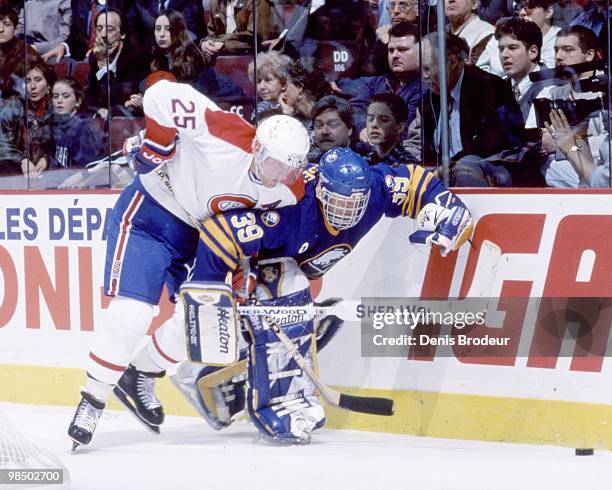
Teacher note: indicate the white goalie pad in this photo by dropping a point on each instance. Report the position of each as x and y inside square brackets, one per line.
[210, 320]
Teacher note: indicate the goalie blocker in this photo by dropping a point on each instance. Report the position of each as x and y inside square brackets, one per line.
[210, 320]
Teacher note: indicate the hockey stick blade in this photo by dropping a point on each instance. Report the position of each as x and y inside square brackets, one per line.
[366, 404]
[486, 270]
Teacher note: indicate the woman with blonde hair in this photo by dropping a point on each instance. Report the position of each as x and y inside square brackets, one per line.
[272, 72]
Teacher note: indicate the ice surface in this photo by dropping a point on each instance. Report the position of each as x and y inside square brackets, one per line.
[190, 455]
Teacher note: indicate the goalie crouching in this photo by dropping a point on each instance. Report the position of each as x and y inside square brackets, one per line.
[344, 198]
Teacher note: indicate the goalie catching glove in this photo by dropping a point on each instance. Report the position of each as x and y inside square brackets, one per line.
[448, 227]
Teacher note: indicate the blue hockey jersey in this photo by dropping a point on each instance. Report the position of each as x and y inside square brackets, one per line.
[301, 231]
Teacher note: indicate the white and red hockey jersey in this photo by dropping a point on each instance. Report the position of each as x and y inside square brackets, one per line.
[202, 156]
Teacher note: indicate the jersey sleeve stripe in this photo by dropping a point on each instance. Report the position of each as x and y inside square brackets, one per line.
[406, 201]
[231, 264]
[226, 227]
[162, 135]
[415, 177]
[231, 128]
[227, 243]
[424, 185]
[161, 150]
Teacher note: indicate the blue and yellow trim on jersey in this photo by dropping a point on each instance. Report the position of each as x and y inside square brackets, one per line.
[217, 234]
[418, 185]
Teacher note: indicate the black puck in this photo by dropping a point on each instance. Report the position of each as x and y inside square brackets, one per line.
[583, 451]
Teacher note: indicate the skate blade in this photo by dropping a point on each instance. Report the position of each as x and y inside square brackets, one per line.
[125, 401]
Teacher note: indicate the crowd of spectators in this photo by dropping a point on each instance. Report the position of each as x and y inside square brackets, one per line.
[527, 81]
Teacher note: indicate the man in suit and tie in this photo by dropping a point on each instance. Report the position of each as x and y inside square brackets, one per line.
[520, 47]
[82, 29]
[484, 118]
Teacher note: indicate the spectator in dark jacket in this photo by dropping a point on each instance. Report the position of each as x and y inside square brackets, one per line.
[77, 141]
[484, 117]
[113, 61]
[333, 124]
[82, 28]
[12, 53]
[26, 137]
[142, 14]
[175, 51]
[404, 81]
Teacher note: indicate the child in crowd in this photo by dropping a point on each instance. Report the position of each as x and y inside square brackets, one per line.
[77, 142]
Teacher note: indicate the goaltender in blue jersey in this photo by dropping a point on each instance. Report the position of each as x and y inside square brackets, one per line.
[344, 198]
[323, 228]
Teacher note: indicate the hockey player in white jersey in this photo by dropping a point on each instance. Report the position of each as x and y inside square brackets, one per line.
[195, 160]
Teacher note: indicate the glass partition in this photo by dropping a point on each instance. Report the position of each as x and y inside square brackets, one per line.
[518, 96]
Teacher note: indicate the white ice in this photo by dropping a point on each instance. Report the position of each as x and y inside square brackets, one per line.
[190, 455]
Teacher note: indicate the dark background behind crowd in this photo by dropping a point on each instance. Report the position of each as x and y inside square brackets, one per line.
[528, 82]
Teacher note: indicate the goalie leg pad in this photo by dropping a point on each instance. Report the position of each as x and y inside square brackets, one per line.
[217, 393]
[222, 392]
[210, 316]
[281, 399]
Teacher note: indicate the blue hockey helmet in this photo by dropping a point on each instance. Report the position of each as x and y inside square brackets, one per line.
[344, 187]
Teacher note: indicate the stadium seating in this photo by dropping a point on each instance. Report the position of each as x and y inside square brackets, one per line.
[236, 68]
[62, 70]
[80, 72]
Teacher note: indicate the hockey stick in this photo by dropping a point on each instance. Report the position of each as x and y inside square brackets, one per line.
[481, 287]
[486, 270]
[363, 404]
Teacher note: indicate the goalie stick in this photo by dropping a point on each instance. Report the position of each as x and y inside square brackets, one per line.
[354, 403]
[481, 287]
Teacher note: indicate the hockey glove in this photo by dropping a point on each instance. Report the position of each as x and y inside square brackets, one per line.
[131, 146]
[448, 228]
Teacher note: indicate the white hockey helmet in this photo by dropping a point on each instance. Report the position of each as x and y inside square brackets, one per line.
[284, 138]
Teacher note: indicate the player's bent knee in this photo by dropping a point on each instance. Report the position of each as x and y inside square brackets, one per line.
[167, 346]
[126, 322]
[131, 315]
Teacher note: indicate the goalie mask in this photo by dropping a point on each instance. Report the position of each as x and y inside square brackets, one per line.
[284, 149]
[344, 187]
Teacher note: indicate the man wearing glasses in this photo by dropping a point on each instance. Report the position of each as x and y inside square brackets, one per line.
[394, 12]
[541, 12]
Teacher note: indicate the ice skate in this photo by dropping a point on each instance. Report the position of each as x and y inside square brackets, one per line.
[85, 420]
[136, 391]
